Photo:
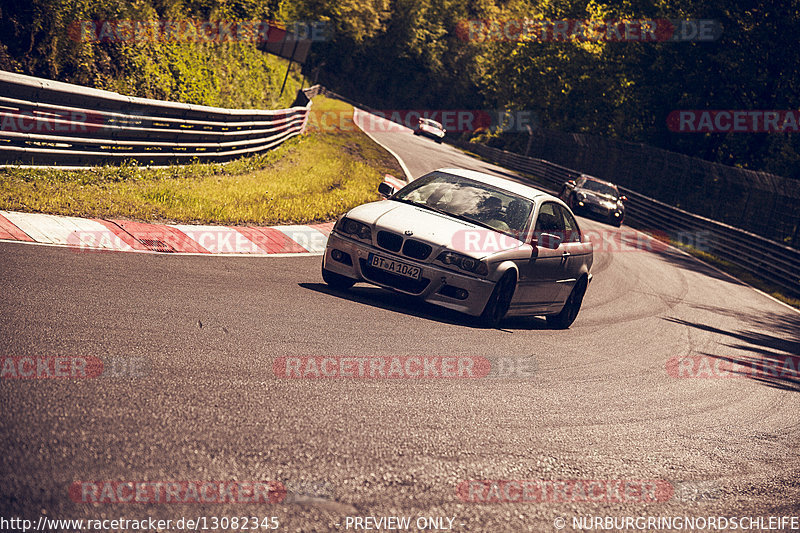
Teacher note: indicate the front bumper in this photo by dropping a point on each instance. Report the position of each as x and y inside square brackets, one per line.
[598, 211]
[437, 285]
[433, 135]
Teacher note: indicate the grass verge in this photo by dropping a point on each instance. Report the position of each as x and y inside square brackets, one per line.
[310, 178]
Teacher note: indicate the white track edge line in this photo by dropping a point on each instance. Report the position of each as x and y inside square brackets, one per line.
[731, 276]
[409, 178]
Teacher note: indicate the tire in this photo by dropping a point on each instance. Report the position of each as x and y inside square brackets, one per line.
[569, 313]
[337, 281]
[497, 306]
[617, 223]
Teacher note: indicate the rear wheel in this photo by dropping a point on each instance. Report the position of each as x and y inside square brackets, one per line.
[497, 306]
[337, 281]
[569, 313]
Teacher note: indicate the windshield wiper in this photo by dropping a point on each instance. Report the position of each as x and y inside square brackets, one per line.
[425, 206]
[478, 222]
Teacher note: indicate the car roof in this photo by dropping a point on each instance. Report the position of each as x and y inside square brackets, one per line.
[520, 189]
[587, 176]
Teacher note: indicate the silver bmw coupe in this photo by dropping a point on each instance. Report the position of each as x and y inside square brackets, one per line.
[479, 244]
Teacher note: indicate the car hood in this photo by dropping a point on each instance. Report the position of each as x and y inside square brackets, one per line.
[438, 230]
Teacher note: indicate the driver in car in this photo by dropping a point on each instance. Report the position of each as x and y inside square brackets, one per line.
[490, 212]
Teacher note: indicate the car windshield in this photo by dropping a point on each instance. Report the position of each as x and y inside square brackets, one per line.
[470, 200]
[429, 122]
[602, 188]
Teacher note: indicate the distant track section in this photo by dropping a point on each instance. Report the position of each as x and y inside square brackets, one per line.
[765, 258]
[44, 122]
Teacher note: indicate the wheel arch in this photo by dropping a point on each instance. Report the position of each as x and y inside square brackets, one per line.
[505, 267]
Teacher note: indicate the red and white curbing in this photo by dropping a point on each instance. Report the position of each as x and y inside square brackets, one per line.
[92, 234]
[84, 234]
[394, 182]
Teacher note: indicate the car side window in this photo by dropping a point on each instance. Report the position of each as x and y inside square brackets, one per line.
[549, 220]
[572, 232]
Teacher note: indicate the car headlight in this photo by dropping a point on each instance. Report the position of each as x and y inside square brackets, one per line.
[464, 262]
[354, 228]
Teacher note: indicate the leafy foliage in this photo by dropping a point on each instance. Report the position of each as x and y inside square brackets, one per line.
[416, 58]
[413, 54]
[43, 38]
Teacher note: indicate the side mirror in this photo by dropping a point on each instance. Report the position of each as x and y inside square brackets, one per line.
[623, 198]
[548, 240]
[571, 183]
[385, 190]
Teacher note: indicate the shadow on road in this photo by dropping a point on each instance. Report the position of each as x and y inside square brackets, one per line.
[408, 305]
[687, 262]
[771, 340]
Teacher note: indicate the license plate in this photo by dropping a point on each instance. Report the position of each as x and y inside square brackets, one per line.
[395, 267]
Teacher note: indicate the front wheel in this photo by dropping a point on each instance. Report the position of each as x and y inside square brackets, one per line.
[337, 281]
[497, 306]
[569, 313]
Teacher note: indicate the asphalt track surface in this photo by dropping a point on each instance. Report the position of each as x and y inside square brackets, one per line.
[206, 330]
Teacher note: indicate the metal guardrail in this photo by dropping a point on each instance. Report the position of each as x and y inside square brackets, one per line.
[760, 256]
[45, 122]
[756, 201]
